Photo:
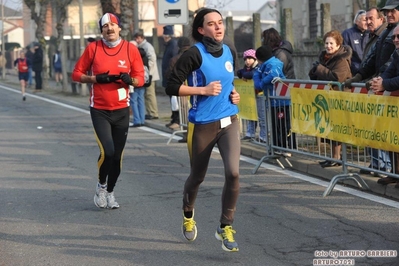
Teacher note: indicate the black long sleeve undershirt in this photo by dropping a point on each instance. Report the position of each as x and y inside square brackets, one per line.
[188, 62]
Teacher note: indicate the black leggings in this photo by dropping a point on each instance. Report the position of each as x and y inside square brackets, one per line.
[111, 129]
[38, 80]
[200, 141]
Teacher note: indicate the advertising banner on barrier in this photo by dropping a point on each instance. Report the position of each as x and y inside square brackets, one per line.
[247, 105]
[358, 119]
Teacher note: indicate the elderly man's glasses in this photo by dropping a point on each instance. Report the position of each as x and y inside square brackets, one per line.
[395, 36]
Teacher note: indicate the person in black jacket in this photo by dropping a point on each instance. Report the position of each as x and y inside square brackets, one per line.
[281, 49]
[183, 43]
[37, 66]
[171, 49]
[29, 55]
[389, 81]
[379, 57]
[377, 61]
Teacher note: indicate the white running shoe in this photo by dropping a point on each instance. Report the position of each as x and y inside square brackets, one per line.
[111, 203]
[100, 198]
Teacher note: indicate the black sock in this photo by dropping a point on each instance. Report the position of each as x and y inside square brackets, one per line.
[188, 214]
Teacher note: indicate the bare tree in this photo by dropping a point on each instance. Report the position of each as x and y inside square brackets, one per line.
[60, 10]
[38, 11]
[126, 16]
[107, 6]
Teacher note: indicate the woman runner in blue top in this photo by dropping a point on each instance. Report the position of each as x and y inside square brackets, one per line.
[208, 67]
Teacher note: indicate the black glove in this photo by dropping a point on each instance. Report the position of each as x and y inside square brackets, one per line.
[147, 84]
[356, 78]
[125, 77]
[239, 73]
[105, 78]
[315, 63]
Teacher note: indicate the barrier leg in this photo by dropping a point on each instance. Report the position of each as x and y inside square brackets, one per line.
[263, 159]
[355, 177]
[173, 134]
[288, 161]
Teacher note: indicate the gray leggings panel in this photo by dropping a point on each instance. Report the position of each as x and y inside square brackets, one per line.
[203, 139]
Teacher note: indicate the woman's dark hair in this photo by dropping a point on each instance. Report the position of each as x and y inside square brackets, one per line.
[271, 37]
[199, 22]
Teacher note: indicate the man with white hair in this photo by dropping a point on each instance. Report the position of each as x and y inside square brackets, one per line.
[356, 38]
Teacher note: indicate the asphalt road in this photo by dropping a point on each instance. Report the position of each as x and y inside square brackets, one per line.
[47, 216]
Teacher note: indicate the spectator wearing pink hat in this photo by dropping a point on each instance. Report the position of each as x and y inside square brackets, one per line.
[246, 73]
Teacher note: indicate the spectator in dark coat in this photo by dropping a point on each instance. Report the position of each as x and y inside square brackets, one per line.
[183, 43]
[281, 49]
[376, 62]
[37, 66]
[379, 56]
[389, 81]
[29, 55]
[356, 38]
[171, 49]
[376, 24]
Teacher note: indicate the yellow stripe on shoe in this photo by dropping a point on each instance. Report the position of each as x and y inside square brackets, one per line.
[226, 235]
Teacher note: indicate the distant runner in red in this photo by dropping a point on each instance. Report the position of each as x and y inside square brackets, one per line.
[22, 64]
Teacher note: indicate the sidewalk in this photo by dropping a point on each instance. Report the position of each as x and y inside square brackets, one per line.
[301, 164]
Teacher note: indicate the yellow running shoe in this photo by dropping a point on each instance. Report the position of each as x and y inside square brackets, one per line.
[226, 235]
[189, 229]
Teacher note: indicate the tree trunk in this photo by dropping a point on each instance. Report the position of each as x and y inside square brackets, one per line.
[38, 14]
[107, 7]
[127, 14]
[61, 15]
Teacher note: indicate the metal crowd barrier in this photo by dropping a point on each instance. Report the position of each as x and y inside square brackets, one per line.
[282, 142]
[183, 116]
[361, 157]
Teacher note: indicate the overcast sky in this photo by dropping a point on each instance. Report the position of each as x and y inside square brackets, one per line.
[14, 4]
